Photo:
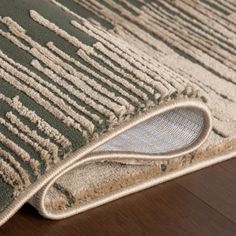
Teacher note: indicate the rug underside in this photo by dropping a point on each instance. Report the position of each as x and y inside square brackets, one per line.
[103, 98]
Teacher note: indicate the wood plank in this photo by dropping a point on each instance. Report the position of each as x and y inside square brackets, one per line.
[216, 186]
[165, 210]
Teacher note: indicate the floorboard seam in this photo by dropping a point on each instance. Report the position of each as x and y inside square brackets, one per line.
[202, 200]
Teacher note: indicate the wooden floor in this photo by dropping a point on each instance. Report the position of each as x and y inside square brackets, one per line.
[202, 203]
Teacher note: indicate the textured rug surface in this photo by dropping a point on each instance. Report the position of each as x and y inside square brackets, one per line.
[103, 98]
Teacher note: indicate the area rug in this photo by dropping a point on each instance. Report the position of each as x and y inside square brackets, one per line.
[103, 98]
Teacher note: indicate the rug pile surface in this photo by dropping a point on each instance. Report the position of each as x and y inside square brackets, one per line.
[103, 98]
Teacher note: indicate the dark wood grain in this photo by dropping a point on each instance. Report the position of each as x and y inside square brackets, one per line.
[215, 186]
[202, 203]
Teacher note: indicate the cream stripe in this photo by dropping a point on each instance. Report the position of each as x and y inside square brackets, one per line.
[13, 39]
[45, 143]
[38, 121]
[46, 23]
[11, 177]
[44, 155]
[67, 10]
[35, 165]
[9, 158]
